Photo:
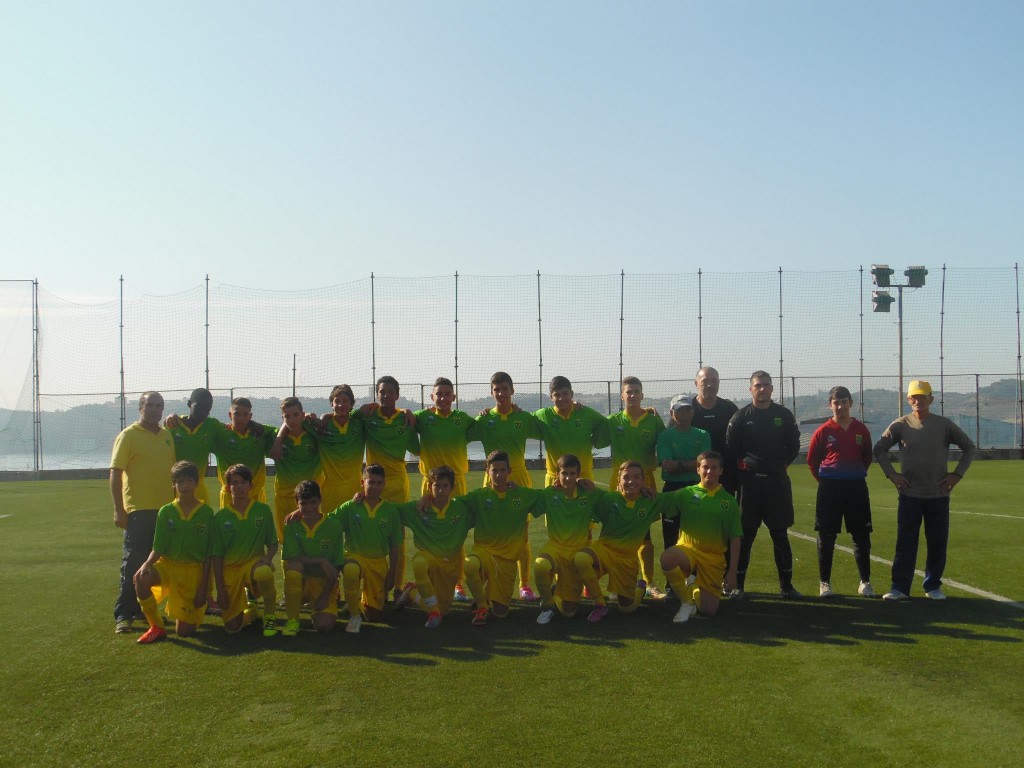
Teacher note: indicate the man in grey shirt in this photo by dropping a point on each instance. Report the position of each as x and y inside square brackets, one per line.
[924, 484]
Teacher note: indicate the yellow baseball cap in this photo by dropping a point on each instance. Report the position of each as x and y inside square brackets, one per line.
[919, 388]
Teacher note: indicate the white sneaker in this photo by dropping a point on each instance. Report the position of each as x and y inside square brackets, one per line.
[825, 589]
[546, 616]
[936, 594]
[354, 624]
[895, 596]
[866, 590]
[685, 613]
[691, 579]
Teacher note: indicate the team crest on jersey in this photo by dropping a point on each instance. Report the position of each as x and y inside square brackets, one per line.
[490, 422]
[259, 522]
[401, 430]
[517, 503]
[778, 421]
[646, 434]
[619, 428]
[579, 423]
[457, 421]
[201, 528]
[832, 439]
[325, 544]
[723, 504]
[642, 513]
[228, 525]
[859, 439]
[517, 424]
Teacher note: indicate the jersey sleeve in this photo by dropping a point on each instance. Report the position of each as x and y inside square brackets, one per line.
[815, 453]
[290, 549]
[600, 433]
[160, 542]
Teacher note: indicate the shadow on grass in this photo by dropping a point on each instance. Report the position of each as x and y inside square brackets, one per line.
[759, 620]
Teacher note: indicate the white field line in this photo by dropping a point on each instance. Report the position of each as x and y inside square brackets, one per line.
[875, 507]
[3, 516]
[955, 584]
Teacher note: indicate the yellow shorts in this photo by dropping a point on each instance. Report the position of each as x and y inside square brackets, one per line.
[179, 582]
[313, 586]
[621, 565]
[710, 569]
[373, 572]
[443, 575]
[568, 586]
[396, 488]
[237, 578]
[499, 575]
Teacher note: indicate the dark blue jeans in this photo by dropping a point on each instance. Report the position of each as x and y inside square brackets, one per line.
[138, 543]
[911, 513]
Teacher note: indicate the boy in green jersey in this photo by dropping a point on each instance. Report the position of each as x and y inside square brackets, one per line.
[568, 428]
[678, 448]
[178, 568]
[244, 545]
[709, 521]
[626, 517]
[501, 515]
[507, 428]
[439, 525]
[241, 443]
[373, 533]
[296, 458]
[569, 508]
[444, 433]
[312, 553]
[341, 440]
[633, 434]
[194, 436]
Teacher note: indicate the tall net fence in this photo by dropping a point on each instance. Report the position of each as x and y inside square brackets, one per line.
[86, 364]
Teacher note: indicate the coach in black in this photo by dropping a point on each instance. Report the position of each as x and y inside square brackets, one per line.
[762, 439]
[712, 413]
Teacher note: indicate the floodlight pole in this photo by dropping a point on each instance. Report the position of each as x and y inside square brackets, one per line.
[899, 312]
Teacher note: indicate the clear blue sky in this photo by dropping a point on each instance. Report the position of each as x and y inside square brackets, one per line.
[276, 144]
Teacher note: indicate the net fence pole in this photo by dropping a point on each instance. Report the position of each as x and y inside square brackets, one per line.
[206, 342]
[622, 316]
[121, 347]
[295, 360]
[37, 408]
[456, 337]
[782, 376]
[942, 345]
[373, 336]
[540, 365]
[862, 342]
[700, 318]
[977, 410]
[1020, 378]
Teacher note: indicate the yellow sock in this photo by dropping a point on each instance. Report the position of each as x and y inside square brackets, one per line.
[585, 568]
[474, 581]
[400, 565]
[350, 574]
[264, 576]
[524, 564]
[542, 575]
[150, 611]
[677, 579]
[646, 555]
[421, 574]
[292, 594]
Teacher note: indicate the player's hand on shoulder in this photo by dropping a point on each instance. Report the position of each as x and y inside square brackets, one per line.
[585, 483]
[294, 516]
[256, 428]
[424, 503]
[410, 418]
[172, 422]
[648, 492]
[369, 408]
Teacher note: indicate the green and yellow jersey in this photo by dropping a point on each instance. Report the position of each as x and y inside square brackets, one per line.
[634, 440]
[300, 460]
[501, 519]
[370, 531]
[508, 432]
[625, 523]
[568, 518]
[443, 440]
[708, 520]
[438, 532]
[233, 448]
[341, 456]
[196, 445]
[325, 539]
[577, 433]
[186, 538]
[240, 536]
[387, 441]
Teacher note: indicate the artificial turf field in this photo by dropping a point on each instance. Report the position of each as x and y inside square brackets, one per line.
[844, 682]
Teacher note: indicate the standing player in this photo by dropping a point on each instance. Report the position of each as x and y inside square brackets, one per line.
[678, 448]
[712, 413]
[633, 434]
[839, 456]
[178, 568]
[244, 545]
[763, 439]
[626, 517]
[242, 443]
[443, 434]
[507, 428]
[501, 515]
[709, 523]
[142, 456]
[341, 440]
[569, 511]
[194, 436]
[439, 529]
[296, 458]
[373, 533]
[313, 553]
[924, 483]
[568, 428]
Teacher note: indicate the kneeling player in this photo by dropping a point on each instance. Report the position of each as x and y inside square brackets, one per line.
[439, 527]
[244, 545]
[373, 534]
[709, 521]
[312, 555]
[178, 568]
[569, 509]
[626, 517]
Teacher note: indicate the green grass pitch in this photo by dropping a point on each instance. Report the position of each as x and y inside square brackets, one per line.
[847, 682]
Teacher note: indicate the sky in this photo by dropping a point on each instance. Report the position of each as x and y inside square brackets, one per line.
[278, 145]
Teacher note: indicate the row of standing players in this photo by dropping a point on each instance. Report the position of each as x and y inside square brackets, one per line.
[760, 441]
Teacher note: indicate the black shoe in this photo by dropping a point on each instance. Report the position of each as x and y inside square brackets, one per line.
[790, 593]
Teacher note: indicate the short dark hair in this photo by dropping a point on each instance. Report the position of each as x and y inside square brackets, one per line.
[183, 470]
[443, 472]
[760, 375]
[557, 383]
[441, 381]
[502, 378]
[631, 381]
[308, 490]
[290, 402]
[373, 469]
[569, 461]
[839, 393]
[388, 380]
[238, 470]
[710, 456]
[342, 389]
[245, 402]
[495, 456]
